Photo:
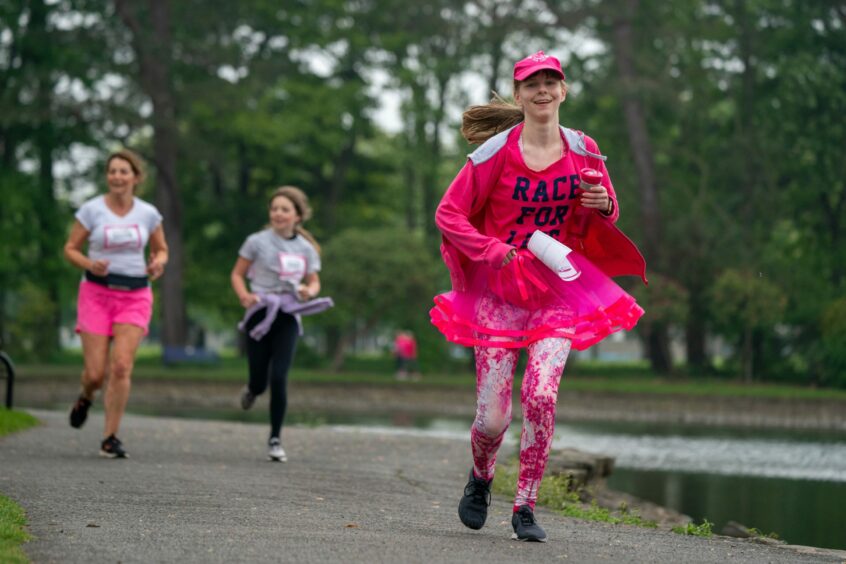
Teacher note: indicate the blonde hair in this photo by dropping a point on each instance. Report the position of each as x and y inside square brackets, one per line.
[136, 163]
[300, 201]
[480, 123]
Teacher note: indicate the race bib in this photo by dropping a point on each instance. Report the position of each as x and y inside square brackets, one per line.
[122, 237]
[292, 268]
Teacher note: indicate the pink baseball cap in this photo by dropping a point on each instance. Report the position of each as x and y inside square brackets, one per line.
[537, 62]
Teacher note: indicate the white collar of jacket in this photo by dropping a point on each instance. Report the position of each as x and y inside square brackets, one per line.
[575, 140]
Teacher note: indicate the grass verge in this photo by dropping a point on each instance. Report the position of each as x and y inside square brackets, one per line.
[701, 530]
[583, 378]
[555, 494]
[11, 421]
[12, 517]
[12, 534]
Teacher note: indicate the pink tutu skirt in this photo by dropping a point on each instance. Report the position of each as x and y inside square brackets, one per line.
[526, 301]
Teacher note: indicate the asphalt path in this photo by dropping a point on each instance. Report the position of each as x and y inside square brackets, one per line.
[203, 491]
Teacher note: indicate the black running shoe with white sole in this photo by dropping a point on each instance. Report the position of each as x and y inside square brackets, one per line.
[473, 507]
[79, 412]
[111, 447]
[526, 528]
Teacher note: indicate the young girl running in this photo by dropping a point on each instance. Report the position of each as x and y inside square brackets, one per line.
[525, 178]
[282, 262]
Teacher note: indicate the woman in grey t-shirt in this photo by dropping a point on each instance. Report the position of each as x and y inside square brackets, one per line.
[282, 263]
[115, 301]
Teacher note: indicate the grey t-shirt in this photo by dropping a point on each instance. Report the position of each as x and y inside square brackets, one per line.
[278, 264]
[120, 240]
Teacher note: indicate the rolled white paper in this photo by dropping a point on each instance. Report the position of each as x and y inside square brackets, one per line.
[554, 255]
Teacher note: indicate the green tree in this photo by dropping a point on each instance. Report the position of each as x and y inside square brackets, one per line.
[45, 75]
[744, 304]
[376, 277]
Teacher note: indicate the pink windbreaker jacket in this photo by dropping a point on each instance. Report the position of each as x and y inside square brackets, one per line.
[461, 211]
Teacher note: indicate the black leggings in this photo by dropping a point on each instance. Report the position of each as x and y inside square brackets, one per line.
[269, 360]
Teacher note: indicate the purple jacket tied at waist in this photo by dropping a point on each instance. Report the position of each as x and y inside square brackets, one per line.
[287, 303]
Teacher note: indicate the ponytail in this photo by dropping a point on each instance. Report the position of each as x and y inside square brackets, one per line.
[308, 237]
[480, 123]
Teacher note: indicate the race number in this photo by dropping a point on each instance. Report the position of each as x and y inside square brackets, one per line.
[122, 237]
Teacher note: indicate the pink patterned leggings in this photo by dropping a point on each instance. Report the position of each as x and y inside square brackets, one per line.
[495, 369]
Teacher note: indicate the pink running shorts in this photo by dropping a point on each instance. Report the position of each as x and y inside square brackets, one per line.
[98, 308]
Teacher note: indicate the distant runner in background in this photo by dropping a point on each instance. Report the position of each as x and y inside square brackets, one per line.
[282, 263]
[405, 352]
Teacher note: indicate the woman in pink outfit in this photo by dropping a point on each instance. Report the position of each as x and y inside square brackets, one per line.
[525, 177]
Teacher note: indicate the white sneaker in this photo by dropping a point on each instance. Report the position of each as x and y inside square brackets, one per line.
[275, 451]
[553, 254]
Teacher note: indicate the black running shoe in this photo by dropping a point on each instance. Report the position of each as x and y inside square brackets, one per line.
[247, 398]
[111, 447]
[473, 507]
[79, 412]
[525, 526]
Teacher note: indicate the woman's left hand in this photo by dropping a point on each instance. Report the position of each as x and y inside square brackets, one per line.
[155, 269]
[595, 196]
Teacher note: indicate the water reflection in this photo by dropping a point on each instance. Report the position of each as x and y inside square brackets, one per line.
[775, 455]
[799, 511]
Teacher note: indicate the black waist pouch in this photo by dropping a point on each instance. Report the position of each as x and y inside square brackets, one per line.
[118, 281]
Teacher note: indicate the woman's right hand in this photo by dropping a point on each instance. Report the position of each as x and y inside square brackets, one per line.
[248, 299]
[509, 257]
[99, 267]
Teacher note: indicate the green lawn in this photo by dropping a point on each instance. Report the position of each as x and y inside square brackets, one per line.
[12, 517]
[583, 376]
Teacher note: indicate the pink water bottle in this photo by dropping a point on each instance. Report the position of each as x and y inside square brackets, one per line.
[590, 176]
[581, 215]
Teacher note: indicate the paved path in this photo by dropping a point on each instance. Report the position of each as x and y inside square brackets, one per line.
[201, 491]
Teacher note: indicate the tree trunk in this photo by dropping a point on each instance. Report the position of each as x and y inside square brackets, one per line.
[2, 312]
[832, 205]
[658, 348]
[410, 179]
[153, 50]
[49, 243]
[49, 238]
[695, 333]
[695, 330]
[244, 170]
[422, 156]
[433, 157]
[340, 352]
[496, 61]
[343, 162]
[623, 45]
[746, 356]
